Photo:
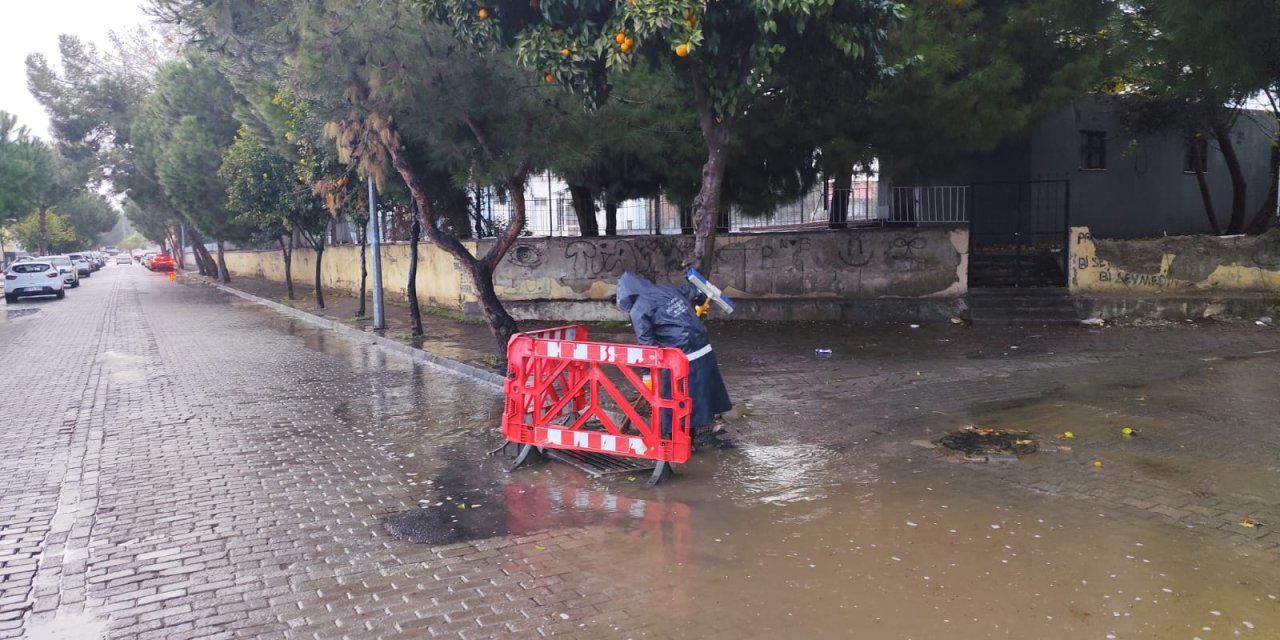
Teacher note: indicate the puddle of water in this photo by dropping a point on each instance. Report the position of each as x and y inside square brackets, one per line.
[15, 314]
[900, 554]
[802, 540]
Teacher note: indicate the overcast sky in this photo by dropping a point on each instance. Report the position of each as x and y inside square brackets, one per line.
[31, 26]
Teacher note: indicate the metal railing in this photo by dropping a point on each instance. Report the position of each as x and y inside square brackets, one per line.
[823, 207]
[929, 205]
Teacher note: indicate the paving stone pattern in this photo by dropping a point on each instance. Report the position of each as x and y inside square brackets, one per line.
[182, 465]
[181, 474]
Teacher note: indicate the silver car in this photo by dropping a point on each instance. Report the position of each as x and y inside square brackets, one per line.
[70, 275]
[84, 266]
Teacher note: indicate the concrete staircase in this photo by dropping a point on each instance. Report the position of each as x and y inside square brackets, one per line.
[1025, 306]
[1006, 269]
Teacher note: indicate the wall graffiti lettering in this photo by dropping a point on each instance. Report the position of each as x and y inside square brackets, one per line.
[1085, 262]
[1133, 279]
[649, 257]
[527, 288]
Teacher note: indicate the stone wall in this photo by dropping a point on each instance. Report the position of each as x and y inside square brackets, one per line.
[820, 275]
[1174, 264]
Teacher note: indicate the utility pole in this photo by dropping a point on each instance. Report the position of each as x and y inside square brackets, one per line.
[375, 243]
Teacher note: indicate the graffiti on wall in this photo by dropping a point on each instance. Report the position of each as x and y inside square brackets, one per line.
[1088, 271]
[828, 263]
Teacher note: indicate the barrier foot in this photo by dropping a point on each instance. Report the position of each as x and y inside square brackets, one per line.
[659, 472]
[522, 457]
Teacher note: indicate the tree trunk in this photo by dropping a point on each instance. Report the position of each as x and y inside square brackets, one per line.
[610, 215]
[1263, 219]
[500, 322]
[479, 212]
[175, 240]
[42, 241]
[584, 206]
[411, 291]
[363, 234]
[841, 196]
[286, 252]
[706, 205]
[205, 261]
[1206, 196]
[1239, 189]
[319, 245]
[222, 263]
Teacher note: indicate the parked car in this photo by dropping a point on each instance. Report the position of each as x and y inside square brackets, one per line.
[160, 262]
[70, 275]
[123, 258]
[33, 279]
[83, 268]
[146, 258]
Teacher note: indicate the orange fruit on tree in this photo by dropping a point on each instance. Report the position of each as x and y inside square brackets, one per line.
[625, 47]
[483, 13]
[565, 52]
[620, 37]
[629, 42]
[682, 50]
[551, 77]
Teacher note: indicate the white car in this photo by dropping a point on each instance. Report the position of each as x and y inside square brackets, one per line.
[33, 279]
[70, 275]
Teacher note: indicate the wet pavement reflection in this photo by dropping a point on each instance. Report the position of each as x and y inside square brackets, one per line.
[809, 540]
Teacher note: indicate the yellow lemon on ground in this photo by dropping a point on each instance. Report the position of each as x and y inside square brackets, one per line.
[1127, 431]
[1097, 464]
[1068, 435]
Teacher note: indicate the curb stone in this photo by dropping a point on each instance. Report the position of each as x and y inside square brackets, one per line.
[394, 346]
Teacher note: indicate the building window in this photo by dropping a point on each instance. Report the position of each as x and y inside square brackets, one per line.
[1093, 149]
[1196, 157]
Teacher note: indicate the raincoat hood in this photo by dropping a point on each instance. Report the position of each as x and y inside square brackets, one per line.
[630, 288]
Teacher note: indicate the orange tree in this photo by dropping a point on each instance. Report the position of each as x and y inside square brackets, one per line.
[730, 51]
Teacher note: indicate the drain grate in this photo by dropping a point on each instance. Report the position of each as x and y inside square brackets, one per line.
[600, 465]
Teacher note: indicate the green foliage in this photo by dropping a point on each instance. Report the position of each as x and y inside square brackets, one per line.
[261, 187]
[17, 168]
[979, 74]
[182, 135]
[132, 241]
[60, 237]
[88, 214]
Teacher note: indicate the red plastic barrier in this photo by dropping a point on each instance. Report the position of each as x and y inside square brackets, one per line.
[564, 392]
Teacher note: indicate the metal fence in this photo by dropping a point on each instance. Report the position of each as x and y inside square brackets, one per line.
[930, 205]
[864, 204]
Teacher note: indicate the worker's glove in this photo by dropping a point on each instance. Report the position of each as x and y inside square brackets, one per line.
[702, 309]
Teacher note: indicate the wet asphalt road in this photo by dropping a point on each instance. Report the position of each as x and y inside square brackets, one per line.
[182, 465]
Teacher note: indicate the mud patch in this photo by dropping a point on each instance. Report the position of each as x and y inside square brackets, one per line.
[983, 441]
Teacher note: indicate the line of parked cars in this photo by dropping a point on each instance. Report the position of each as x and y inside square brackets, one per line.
[50, 275]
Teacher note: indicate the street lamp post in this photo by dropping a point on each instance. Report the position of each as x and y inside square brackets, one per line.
[375, 243]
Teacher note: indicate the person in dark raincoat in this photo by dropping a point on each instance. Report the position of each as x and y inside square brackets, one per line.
[662, 315]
